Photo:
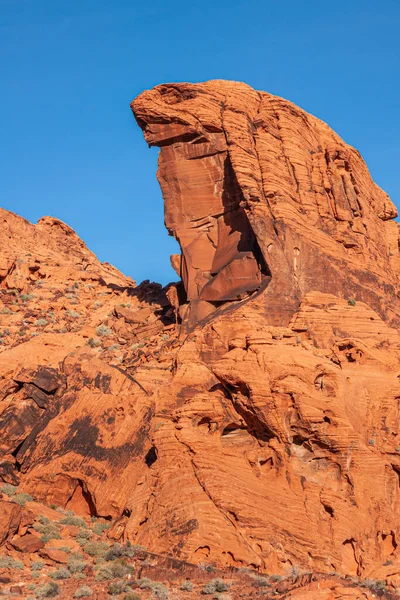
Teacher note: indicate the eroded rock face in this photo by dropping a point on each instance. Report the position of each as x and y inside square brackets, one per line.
[263, 431]
[258, 192]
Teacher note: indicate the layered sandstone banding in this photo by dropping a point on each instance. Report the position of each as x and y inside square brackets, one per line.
[259, 192]
[261, 431]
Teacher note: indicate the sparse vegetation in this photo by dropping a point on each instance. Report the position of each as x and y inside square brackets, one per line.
[94, 342]
[7, 562]
[40, 323]
[8, 489]
[37, 565]
[72, 520]
[351, 302]
[100, 527]
[62, 573]
[73, 314]
[132, 596]
[187, 586]
[83, 592]
[49, 531]
[21, 499]
[48, 590]
[103, 331]
[26, 297]
[215, 585]
[96, 549]
[117, 587]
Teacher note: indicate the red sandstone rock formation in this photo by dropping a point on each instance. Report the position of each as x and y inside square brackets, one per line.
[259, 193]
[260, 431]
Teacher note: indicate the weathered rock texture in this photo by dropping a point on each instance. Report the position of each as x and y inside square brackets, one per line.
[262, 429]
[258, 192]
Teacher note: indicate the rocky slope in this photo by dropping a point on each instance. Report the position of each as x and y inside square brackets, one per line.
[247, 418]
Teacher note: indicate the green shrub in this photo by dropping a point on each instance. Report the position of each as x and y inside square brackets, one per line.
[103, 330]
[100, 527]
[117, 587]
[72, 520]
[62, 573]
[127, 550]
[132, 596]
[75, 565]
[48, 590]
[94, 342]
[79, 576]
[96, 548]
[40, 323]
[215, 585]
[7, 562]
[21, 499]
[187, 586]
[49, 532]
[83, 592]
[8, 489]
[73, 314]
[351, 302]
[37, 565]
[25, 297]
[259, 581]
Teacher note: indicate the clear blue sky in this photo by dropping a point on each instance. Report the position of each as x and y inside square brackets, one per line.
[70, 146]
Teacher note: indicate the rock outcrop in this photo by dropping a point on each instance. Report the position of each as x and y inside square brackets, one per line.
[260, 194]
[247, 417]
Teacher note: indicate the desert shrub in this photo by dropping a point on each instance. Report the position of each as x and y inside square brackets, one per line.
[104, 574]
[119, 568]
[94, 342]
[375, 584]
[21, 499]
[351, 302]
[259, 581]
[97, 304]
[215, 585]
[7, 562]
[187, 586]
[62, 573]
[40, 322]
[75, 565]
[114, 347]
[65, 549]
[132, 596]
[37, 565]
[83, 592]
[26, 297]
[79, 576]
[72, 520]
[117, 587]
[35, 574]
[103, 330]
[73, 314]
[5, 311]
[49, 532]
[100, 527]
[159, 591]
[96, 549]
[84, 536]
[48, 590]
[8, 489]
[145, 583]
[44, 520]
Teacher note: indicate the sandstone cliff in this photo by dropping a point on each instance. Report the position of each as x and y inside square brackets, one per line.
[247, 417]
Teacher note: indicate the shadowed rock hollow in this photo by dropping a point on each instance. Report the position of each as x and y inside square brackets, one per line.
[248, 416]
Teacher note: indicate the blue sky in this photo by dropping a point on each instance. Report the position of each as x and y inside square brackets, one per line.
[70, 146]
